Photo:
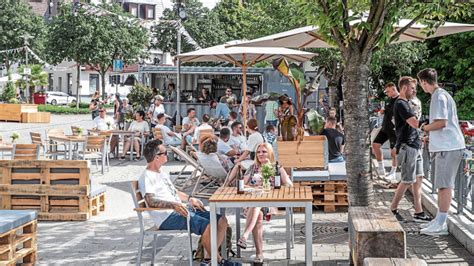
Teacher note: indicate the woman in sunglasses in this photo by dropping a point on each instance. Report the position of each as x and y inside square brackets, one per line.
[140, 127]
[255, 216]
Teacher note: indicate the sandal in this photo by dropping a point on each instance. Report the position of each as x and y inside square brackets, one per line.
[258, 260]
[138, 158]
[242, 243]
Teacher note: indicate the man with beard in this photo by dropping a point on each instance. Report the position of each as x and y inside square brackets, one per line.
[408, 147]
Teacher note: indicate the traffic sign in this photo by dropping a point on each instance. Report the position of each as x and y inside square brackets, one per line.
[117, 65]
[27, 71]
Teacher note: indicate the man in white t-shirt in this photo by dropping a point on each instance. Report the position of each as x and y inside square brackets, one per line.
[223, 146]
[169, 137]
[237, 140]
[203, 125]
[159, 192]
[190, 123]
[103, 122]
[155, 109]
[446, 144]
[255, 138]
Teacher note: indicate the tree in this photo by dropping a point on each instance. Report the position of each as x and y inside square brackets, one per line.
[357, 40]
[10, 91]
[115, 36]
[37, 78]
[17, 20]
[70, 38]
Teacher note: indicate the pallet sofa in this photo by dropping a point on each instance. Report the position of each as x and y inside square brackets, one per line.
[308, 160]
[18, 243]
[59, 190]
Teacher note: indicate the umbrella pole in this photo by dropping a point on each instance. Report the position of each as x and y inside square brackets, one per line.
[244, 88]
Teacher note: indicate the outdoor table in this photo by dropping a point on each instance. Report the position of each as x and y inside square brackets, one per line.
[69, 140]
[4, 147]
[288, 197]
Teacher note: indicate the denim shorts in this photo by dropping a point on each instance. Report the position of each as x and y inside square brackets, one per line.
[198, 223]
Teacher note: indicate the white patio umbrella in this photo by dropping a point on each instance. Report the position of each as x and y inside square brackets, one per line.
[308, 37]
[243, 57]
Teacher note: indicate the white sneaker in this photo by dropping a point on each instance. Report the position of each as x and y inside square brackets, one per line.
[435, 230]
[381, 171]
[391, 177]
[425, 225]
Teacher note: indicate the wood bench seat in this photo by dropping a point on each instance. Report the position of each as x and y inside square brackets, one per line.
[18, 243]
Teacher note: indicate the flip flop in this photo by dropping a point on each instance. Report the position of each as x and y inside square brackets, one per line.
[242, 244]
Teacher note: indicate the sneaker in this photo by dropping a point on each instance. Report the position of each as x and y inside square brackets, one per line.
[391, 177]
[381, 171]
[435, 230]
[427, 224]
[421, 217]
[205, 262]
[398, 215]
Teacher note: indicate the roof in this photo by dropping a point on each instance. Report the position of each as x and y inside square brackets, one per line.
[203, 70]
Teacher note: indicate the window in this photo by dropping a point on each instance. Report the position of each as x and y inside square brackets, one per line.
[150, 12]
[133, 8]
[36, 1]
[69, 83]
[50, 81]
[93, 83]
[60, 83]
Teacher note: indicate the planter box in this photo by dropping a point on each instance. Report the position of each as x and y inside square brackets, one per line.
[12, 112]
[39, 117]
[312, 152]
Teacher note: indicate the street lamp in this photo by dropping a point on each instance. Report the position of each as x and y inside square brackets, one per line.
[181, 12]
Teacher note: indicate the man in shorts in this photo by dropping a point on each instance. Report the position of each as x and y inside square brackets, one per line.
[446, 144]
[408, 148]
[387, 132]
[160, 192]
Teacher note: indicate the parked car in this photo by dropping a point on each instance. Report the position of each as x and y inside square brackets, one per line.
[59, 97]
[467, 128]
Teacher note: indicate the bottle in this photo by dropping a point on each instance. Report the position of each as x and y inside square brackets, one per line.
[277, 176]
[240, 184]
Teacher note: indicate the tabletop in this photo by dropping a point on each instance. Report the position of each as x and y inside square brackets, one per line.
[229, 194]
[68, 138]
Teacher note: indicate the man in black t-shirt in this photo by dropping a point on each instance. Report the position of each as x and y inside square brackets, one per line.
[336, 140]
[408, 148]
[387, 132]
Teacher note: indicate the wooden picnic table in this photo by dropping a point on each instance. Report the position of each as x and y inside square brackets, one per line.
[288, 197]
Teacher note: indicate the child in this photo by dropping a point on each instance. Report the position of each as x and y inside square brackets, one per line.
[270, 134]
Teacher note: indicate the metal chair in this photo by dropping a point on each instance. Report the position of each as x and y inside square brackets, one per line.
[140, 207]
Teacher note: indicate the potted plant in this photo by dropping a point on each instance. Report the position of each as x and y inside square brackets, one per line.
[268, 172]
[80, 131]
[14, 137]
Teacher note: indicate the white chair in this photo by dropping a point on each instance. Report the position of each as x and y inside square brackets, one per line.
[140, 207]
[213, 169]
[197, 169]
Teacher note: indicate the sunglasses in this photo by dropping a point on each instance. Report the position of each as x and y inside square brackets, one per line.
[101, 111]
[162, 153]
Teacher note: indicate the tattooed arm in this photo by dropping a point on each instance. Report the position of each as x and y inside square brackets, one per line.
[154, 202]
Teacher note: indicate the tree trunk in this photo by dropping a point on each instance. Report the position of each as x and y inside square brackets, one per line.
[356, 125]
[31, 91]
[78, 84]
[102, 79]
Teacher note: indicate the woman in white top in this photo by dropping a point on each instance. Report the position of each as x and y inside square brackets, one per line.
[155, 109]
[140, 127]
[255, 138]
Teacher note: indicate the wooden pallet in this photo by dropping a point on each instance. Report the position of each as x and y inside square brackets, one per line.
[54, 202]
[328, 195]
[19, 245]
[36, 117]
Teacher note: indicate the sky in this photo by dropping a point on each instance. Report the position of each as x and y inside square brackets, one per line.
[207, 3]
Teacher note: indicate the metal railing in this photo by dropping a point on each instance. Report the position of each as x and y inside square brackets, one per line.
[463, 189]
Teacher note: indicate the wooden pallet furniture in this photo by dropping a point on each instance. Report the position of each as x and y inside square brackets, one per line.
[394, 262]
[375, 233]
[328, 195]
[18, 243]
[59, 190]
[24, 113]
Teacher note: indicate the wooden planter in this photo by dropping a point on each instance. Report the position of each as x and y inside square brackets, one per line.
[312, 152]
[25, 113]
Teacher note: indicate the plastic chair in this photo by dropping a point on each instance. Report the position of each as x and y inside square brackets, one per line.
[140, 207]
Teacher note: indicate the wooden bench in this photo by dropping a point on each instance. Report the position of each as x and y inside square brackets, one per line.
[393, 262]
[18, 243]
[375, 232]
[58, 190]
